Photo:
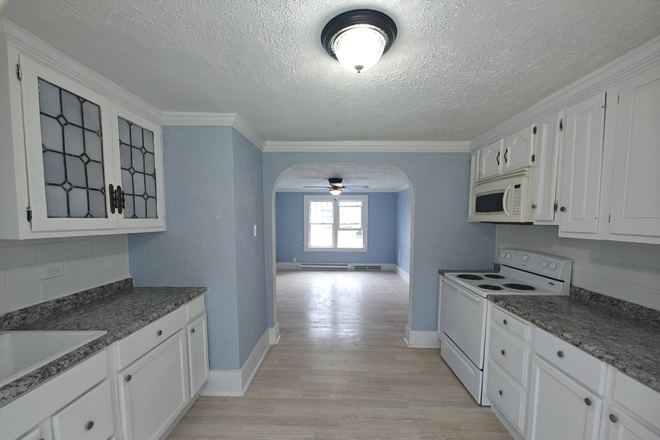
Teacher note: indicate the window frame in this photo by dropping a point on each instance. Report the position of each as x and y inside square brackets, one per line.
[364, 199]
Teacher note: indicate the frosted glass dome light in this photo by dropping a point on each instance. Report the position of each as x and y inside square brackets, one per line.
[358, 38]
[359, 48]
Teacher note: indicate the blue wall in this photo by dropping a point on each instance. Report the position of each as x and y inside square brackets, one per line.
[403, 220]
[210, 212]
[443, 238]
[290, 224]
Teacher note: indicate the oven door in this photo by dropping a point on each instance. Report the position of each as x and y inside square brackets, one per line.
[463, 320]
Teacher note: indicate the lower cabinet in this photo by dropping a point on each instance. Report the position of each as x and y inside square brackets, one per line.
[560, 407]
[88, 418]
[154, 390]
[198, 354]
[624, 427]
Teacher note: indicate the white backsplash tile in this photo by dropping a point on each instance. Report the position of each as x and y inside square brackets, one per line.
[64, 251]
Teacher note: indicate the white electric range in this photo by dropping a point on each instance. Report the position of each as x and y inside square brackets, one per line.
[464, 306]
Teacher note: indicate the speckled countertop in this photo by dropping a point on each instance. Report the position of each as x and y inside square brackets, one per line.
[119, 309]
[621, 334]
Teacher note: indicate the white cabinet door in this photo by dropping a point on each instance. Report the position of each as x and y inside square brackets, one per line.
[69, 157]
[548, 144]
[198, 354]
[581, 166]
[635, 208]
[624, 427]
[490, 160]
[560, 408]
[518, 150]
[154, 390]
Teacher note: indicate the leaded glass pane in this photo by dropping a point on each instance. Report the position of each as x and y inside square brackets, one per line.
[138, 173]
[72, 147]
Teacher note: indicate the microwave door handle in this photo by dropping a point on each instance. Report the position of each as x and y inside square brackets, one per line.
[505, 200]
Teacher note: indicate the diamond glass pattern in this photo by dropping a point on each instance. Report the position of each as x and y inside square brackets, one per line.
[138, 174]
[72, 143]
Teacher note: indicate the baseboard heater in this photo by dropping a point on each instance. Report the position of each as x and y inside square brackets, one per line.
[339, 266]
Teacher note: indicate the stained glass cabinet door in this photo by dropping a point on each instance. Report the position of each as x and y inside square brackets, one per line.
[138, 151]
[69, 154]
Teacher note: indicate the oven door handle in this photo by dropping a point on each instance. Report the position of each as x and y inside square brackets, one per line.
[505, 200]
[474, 297]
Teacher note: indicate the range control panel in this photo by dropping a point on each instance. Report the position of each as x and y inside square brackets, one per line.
[534, 262]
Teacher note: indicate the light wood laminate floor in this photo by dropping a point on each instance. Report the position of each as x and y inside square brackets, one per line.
[342, 371]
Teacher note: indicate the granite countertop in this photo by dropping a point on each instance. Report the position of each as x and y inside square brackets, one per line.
[119, 309]
[621, 334]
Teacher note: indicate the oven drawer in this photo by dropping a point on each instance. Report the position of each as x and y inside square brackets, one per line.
[511, 323]
[509, 353]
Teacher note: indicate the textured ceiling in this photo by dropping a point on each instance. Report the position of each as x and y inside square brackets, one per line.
[457, 69]
[378, 177]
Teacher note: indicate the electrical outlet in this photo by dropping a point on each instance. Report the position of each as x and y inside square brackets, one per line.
[52, 271]
[295, 260]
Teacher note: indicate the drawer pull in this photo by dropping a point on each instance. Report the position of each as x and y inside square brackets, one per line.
[613, 418]
[89, 425]
[128, 378]
[159, 332]
[192, 330]
[504, 322]
[503, 352]
[501, 393]
[587, 401]
[560, 354]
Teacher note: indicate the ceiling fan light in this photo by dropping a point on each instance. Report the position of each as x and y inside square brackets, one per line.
[335, 190]
[359, 47]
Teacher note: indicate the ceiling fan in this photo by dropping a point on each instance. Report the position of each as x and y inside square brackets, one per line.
[336, 186]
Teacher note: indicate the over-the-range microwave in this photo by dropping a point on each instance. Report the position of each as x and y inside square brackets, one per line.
[504, 199]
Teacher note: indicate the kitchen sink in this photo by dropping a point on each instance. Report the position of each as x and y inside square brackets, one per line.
[22, 352]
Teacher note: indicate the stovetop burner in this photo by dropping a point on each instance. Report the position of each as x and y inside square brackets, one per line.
[516, 286]
[467, 276]
[489, 287]
[495, 276]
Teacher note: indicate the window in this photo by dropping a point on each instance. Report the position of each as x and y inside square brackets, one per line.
[335, 223]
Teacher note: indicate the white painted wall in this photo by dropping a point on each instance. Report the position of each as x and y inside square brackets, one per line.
[88, 262]
[627, 271]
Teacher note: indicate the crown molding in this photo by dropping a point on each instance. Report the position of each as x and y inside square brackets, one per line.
[215, 119]
[367, 147]
[596, 82]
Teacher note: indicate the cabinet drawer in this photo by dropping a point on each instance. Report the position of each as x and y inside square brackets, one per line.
[140, 342]
[194, 308]
[638, 398]
[509, 354]
[508, 397]
[88, 418]
[582, 366]
[512, 324]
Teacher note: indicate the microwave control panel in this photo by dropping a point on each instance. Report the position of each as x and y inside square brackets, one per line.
[515, 205]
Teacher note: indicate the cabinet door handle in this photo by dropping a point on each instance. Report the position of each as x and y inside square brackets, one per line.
[89, 425]
[587, 401]
[503, 352]
[192, 330]
[159, 333]
[120, 200]
[506, 160]
[534, 206]
[613, 418]
[112, 195]
[128, 378]
[501, 393]
[562, 209]
[560, 354]
[498, 157]
[505, 322]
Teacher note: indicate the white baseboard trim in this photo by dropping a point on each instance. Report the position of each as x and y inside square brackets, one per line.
[421, 339]
[402, 273]
[274, 334]
[287, 265]
[236, 382]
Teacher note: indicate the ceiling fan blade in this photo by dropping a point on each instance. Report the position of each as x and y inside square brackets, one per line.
[356, 187]
[317, 187]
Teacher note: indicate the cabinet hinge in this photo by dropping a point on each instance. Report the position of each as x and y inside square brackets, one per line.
[561, 125]
[28, 211]
[605, 103]
[534, 130]
[533, 157]
[19, 72]
[618, 99]
[609, 219]
[556, 205]
[101, 133]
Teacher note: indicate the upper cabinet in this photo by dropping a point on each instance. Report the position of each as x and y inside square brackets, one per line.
[77, 162]
[548, 145]
[518, 150]
[490, 163]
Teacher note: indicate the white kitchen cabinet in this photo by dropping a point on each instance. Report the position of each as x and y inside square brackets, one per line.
[88, 418]
[624, 427]
[42, 432]
[518, 150]
[198, 354]
[490, 161]
[561, 408]
[154, 390]
[547, 149]
[635, 205]
[582, 166]
[73, 161]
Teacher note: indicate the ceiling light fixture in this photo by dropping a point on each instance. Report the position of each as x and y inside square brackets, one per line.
[358, 38]
[335, 190]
